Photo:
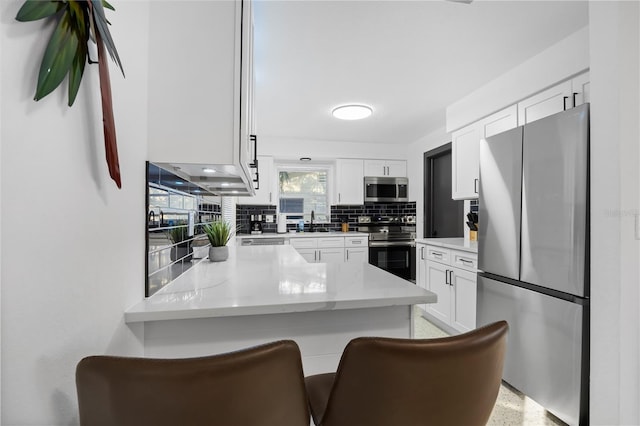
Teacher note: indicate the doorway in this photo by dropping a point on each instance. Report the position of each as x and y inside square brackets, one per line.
[443, 216]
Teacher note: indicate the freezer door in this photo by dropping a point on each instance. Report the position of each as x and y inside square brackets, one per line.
[500, 203]
[544, 345]
[554, 201]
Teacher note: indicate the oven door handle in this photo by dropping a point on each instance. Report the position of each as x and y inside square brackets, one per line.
[392, 243]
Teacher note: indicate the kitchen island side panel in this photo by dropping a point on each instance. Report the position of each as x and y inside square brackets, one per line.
[321, 335]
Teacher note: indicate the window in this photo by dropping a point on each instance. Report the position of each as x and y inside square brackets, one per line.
[303, 190]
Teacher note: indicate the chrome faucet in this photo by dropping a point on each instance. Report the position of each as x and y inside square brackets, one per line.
[313, 216]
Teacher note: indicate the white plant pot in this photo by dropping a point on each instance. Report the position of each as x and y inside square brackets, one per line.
[218, 254]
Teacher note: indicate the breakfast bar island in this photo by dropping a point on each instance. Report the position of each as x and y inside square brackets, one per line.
[267, 293]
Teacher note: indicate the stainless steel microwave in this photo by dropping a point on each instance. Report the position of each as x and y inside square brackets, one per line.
[386, 189]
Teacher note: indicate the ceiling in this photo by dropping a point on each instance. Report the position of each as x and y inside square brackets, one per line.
[408, 60]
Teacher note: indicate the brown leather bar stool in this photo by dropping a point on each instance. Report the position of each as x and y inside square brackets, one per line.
[383, 381]
[263, 385]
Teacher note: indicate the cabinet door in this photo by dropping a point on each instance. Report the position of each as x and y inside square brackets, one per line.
[421, 270]
[375, 168]
[438, 283]
[464, 300]
[465, 149]
[356, 255]
[310, 255]
[304, 243]
[349, 182]
[331, 255]
[396, 168]
[581, 87]
[499, 122]
[265, 194]
[546, 103]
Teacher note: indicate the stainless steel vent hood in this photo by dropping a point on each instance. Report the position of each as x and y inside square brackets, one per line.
[215, 179]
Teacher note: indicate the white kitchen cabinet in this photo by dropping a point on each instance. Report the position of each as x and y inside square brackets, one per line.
[465, 150]
[556, 99]
[451, 275]
[356, 249]
[349, 181]
[266, 191]
[465, 153]
[385, 168]
[320, 249]
[201, 85]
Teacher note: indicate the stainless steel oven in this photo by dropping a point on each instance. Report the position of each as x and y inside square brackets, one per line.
[392, 244]
[397, 257]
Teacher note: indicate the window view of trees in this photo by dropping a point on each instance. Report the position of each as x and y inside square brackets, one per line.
[303, 191]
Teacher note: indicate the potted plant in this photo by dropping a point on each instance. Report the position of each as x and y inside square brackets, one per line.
[219, 233]
[182, 244]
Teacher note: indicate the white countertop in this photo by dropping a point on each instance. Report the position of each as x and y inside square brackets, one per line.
[305, 234]
[259, 280]
[452, 243]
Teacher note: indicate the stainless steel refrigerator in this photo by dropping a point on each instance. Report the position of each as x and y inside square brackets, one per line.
[533, 257]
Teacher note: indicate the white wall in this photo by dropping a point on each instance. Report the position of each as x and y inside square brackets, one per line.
[564, 59]
[72, 243]
[615, 274]
[415, 171]
[284, 148]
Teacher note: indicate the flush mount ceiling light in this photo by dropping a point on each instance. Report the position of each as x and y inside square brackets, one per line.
[352, 112]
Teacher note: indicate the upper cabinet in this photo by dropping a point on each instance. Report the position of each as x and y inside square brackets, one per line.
[349, 181]
[558, 98]
[388, 168]
[201, 85]
[466, 141]
[267, 184]
[465, 152]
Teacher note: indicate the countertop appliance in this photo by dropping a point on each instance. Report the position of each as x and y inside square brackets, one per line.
[282, 223]
[386, 189]
[256, 224]
[392, 243]
[533, 254]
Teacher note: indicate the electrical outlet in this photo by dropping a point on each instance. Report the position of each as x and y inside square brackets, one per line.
[268, 218]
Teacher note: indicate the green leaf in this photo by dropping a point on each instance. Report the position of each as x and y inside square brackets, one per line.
[57, 58]
[32, 10]
[76, 71]
[106, 4]
[101, 25]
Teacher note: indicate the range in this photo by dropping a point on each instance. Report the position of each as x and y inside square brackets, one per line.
[392, 243]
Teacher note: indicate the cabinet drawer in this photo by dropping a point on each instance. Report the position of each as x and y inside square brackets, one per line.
[464, 260]
[331, 242]
[356, 241]
[439, 254]
[304, 242]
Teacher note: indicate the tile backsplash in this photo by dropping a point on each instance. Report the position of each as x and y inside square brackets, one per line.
[350, 212]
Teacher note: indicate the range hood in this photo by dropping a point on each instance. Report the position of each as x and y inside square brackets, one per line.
[215, 179]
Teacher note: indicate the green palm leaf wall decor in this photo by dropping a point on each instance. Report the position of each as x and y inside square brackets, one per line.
[78, 21]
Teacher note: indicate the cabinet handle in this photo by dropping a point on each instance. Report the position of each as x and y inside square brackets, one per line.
[466, 262]
[339, 197]
[446, 276]
[437, 254]
[475, 185]
[315, 255]
[347, 254]
[406, 259]
[451, 277]
[270, 198]
[319, 255]
[574, 98]
[254, 139]
[421, 253]
[564, 103]
[356, 242]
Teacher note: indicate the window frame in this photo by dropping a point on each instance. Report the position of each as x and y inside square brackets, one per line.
[310, 167]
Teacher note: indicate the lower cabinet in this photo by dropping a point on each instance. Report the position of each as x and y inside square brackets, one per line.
[451, 275]
[332, 249]
[356, 249]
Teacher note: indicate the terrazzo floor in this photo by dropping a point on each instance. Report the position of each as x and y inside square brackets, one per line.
[512, 407]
